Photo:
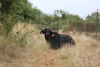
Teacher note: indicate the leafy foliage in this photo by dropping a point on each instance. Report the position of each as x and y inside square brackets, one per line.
[93, 17]
[12, 11]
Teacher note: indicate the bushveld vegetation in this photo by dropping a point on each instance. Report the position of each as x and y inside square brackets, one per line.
[21, 45]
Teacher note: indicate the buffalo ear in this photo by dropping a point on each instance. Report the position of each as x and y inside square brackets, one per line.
[41, 28]
[40, 32]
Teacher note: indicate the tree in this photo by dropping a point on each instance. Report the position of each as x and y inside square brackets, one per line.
[12, 11]
[93, 17]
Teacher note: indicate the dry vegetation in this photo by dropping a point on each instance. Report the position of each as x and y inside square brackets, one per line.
[25, 47]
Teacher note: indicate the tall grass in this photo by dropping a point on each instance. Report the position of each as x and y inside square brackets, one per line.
[25, 47]
[14, 44]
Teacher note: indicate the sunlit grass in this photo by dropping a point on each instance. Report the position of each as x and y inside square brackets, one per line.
[26, 47]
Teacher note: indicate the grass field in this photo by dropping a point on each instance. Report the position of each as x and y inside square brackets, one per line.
[26, 47]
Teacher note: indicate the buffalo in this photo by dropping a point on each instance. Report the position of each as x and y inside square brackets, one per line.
[55, 39]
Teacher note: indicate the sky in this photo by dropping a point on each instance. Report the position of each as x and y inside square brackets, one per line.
[78, 7]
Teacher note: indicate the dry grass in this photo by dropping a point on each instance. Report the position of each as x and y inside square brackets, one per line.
[35, 52]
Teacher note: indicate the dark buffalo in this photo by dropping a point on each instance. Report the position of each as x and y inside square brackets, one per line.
[55, 39]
